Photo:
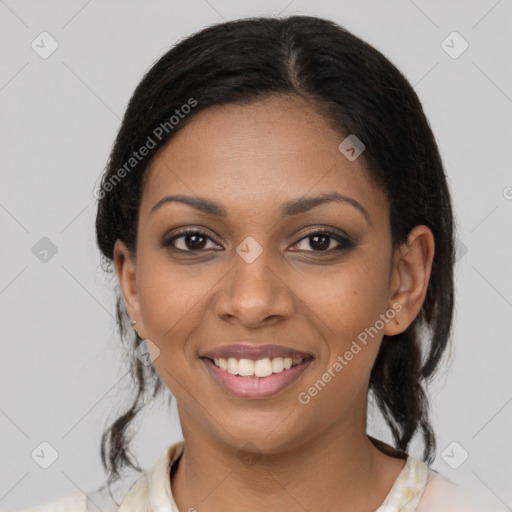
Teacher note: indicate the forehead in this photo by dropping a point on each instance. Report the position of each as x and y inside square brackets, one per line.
[257, 154]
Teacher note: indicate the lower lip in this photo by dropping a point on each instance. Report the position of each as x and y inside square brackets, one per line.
[256, 387]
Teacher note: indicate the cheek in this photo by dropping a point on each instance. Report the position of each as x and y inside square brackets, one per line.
[349, 307]
[351, 297]
[350, 304]
[171, 295]
[172, 305]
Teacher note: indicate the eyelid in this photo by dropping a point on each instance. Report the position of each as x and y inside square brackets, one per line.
[345, 242]
[168, 240]
[327, 230]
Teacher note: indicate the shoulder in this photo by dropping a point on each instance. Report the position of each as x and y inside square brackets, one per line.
[443, 495]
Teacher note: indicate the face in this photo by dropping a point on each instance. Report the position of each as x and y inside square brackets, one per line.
[277, 268]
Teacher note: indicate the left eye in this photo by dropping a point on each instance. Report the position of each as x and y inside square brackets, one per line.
[321, 241]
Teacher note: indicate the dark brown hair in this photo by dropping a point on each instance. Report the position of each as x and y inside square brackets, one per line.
[359, 92]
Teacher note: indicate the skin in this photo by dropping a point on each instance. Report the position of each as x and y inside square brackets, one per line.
[251, 159]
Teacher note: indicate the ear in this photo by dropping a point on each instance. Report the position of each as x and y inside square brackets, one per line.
[409, 278]
[125, 266]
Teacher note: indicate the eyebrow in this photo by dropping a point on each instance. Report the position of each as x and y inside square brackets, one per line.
[292, 207]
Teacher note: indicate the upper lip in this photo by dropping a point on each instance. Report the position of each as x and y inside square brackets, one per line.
[255, 352]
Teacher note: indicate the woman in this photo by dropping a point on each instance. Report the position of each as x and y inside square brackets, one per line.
[277, 214]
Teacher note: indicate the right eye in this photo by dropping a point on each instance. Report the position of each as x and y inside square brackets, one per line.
[193, 241]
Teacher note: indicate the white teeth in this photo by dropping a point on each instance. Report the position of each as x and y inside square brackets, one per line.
[277, 365]
[263, 368]
[232, 366]
[259, 368]
[245, 367]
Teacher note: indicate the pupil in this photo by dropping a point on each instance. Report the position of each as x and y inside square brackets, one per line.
[194, 243]
[323, 245]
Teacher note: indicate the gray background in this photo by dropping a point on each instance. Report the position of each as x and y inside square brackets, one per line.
[62, 373]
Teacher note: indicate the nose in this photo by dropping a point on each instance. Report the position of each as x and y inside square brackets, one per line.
[255, 294]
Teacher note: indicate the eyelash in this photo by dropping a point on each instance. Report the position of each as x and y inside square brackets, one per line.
[344, 242]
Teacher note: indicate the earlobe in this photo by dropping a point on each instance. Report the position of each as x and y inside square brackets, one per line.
[126, 273]
[410, 278]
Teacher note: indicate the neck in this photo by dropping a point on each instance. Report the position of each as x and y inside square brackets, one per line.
[339, 470]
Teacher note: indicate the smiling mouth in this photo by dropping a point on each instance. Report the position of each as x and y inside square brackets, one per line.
[256, 368]
[255, 378]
